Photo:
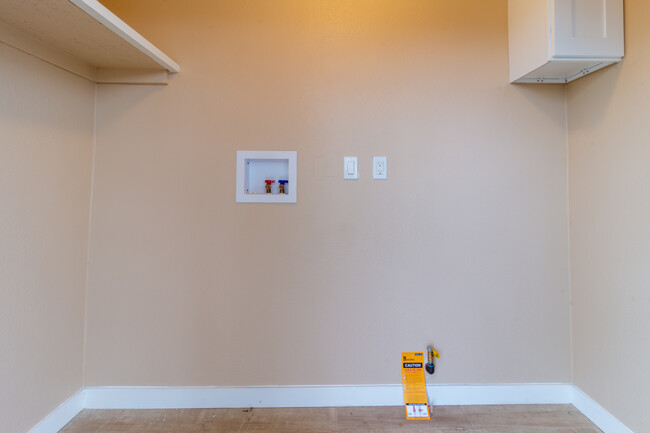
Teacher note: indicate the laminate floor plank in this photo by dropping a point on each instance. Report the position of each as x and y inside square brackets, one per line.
[444, 419]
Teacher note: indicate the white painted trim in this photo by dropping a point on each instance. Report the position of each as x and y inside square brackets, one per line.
[543, 393]
[120, 28]
[319, 396]
[222, 397]
[62, 415]
[605, 421]
[144, 397]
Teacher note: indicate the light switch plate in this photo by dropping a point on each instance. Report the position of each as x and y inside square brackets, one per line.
[350, 168]
[379, 168]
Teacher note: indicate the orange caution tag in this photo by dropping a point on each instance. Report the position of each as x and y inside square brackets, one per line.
[415, 388]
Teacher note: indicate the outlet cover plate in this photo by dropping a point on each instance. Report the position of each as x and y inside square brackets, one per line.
[379, 167]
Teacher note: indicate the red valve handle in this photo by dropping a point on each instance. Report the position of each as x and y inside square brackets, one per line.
[269, 182]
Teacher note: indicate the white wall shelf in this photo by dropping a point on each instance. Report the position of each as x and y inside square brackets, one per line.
[84, 38]
[254, 168]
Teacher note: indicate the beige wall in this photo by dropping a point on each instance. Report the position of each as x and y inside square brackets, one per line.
[610, 227]
[464, 246]
[46, 137]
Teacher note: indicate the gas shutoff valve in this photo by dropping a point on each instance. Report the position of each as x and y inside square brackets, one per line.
[431, 354]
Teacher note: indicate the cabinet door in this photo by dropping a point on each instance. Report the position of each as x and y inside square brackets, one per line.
[587, 28]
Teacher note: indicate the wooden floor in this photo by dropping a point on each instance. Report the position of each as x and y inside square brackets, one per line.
[445, 419]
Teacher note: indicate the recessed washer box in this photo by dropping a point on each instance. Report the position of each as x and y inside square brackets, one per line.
[255, 168]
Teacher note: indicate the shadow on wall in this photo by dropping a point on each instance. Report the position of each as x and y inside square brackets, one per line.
[21, 94]
[605, 83]
[134, 96]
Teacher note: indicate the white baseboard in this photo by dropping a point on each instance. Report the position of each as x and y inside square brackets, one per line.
[62, 415]
[453, 395]
[116, 397]
[605, 421]
[239, 397]
[319, 396]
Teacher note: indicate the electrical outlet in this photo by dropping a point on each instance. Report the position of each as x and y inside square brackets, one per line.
[379, 167]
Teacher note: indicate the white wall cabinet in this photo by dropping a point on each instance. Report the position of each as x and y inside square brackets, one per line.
[557, 41]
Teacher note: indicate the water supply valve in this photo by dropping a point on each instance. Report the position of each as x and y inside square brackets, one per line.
[282, 184]
[268, 185]
[431, 354]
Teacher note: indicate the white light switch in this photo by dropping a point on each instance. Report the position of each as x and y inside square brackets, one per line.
[379, 167]
[350, 167]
